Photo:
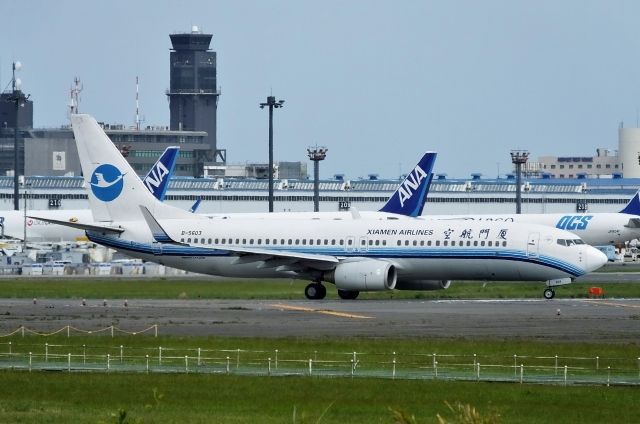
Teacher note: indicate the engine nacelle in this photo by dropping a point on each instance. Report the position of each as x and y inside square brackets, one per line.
[425, 285]
[365, 275]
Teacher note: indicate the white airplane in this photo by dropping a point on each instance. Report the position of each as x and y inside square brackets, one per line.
[597, 229]
[13, 223]
[356, 254]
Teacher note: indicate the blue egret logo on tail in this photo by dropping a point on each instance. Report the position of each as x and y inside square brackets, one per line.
[107, 182]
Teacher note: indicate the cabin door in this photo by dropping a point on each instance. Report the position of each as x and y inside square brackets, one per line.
[532, 244]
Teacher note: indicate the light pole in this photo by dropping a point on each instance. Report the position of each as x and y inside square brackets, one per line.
[316, 154]
[26, 195]
[518, 158]
[17, 97]
[271, 104]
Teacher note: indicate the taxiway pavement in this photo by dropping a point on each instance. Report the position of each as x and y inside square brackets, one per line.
[556, 320]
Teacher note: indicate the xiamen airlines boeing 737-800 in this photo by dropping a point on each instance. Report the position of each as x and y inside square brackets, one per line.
[356, 253]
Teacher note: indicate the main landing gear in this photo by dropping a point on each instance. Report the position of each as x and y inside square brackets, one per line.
[315, 291]
[348, 294]
[549, 293]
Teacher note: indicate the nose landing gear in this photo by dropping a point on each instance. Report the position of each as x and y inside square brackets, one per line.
[549, 293]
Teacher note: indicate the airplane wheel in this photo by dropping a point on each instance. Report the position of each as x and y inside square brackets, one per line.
[549, 294]
[348, 294]
[322, 291]
[315, 291]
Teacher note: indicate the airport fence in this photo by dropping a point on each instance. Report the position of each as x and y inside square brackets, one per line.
[554, 369]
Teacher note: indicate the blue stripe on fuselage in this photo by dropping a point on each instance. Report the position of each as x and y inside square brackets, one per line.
[379, 253]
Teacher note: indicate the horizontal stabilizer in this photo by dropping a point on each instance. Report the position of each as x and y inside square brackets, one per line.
[159, 234]
[633, 223]
[81, 226]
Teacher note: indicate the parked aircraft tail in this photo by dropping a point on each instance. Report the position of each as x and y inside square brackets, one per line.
[633, 207]
[115, 191]
[410, 196]
[157, 180]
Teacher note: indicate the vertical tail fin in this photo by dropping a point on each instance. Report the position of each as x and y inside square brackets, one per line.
[196, 205]
[633, 207]
[115, 191]
[410, 196]
[157, 180]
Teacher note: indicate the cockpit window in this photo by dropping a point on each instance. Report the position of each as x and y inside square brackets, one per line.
[569, 242]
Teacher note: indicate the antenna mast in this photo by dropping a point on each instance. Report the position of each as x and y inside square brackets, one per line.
[74, 104]
[139, 119]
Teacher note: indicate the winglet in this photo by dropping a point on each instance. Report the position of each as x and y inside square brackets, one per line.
[633, 207]
[410, 196]
[159, 234]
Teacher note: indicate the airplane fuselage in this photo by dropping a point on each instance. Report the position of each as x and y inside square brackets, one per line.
[596, 229]
[419, 249]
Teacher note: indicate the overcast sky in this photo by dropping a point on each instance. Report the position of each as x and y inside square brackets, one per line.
[377, 82]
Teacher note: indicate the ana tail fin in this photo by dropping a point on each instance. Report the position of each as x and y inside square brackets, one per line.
[157, 180]
[196, 205]
[633, 207]
[119, 192]
[411, 195]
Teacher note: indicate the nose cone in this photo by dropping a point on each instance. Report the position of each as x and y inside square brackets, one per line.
[595, 259]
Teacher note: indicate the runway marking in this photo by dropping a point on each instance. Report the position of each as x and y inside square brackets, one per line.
[607, 303]
[320, 311]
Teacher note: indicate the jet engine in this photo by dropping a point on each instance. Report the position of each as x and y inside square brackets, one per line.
[425, 285]
[364, 275]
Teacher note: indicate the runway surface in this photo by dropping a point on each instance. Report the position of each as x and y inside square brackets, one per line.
[557, 320]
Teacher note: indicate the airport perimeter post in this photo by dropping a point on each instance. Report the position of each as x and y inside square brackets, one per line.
[518, 158]
[316, 154]
[271, 104]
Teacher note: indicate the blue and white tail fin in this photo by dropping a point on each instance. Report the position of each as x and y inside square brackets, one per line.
[633, 207]
[411, 195]
[157, 180]
[115, 191]
[196, 205]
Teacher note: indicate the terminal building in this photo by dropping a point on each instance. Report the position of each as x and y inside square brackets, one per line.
[446, 196]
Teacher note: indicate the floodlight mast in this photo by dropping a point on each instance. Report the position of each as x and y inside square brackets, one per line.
[316, 154]
[271, 103]
[519, 158]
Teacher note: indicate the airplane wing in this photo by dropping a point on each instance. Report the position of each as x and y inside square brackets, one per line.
[82, 226]
[282, 260]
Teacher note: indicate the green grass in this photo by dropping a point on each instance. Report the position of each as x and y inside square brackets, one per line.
[497, 351]
[97, 397]
[202, 288]
[58, 397]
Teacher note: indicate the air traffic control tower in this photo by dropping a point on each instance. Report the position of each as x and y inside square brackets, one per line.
[193, 93]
